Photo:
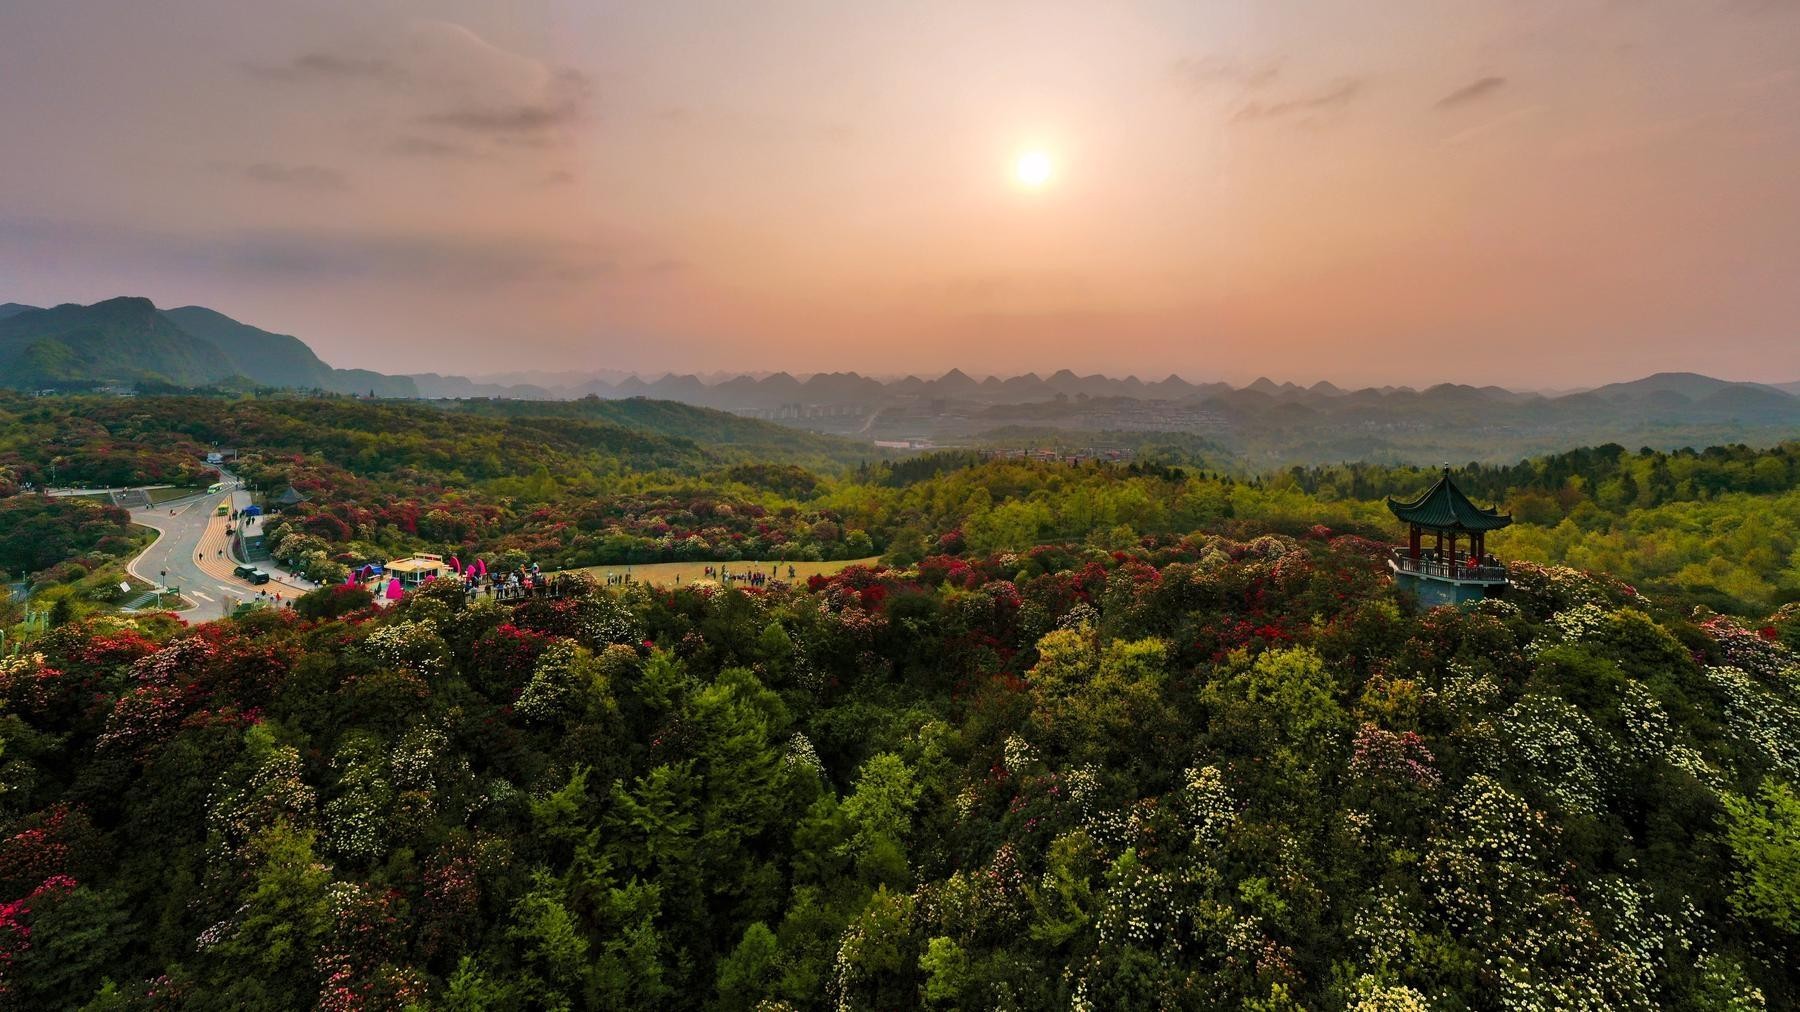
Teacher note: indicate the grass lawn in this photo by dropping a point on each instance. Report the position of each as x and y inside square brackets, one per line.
[171, 492]
[168, 601]
[146, 536]
[664, 573]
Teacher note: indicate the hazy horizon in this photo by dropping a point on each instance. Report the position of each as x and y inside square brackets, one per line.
[1530, 195]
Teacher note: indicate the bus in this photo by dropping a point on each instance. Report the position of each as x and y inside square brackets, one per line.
[215, 488]
[223, 510]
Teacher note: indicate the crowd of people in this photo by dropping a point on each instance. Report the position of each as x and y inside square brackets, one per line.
[527, 581]
[748, 577]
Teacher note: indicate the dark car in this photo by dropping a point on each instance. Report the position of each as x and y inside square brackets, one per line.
[253, 574]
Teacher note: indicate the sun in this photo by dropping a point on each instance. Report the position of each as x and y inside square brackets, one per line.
[1033, 169]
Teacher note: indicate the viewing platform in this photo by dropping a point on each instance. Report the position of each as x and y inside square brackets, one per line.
[1459, 570]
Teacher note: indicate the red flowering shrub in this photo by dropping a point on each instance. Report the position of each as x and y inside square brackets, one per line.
[504, 658]
[15, 923]
[33, 688]
[124, 647]
[56, 841]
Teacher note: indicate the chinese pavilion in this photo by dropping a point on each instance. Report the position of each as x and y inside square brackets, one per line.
[1446, 573]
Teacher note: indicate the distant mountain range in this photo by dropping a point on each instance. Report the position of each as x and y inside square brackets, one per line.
[781, 389]
[129, 342]
[773, 391]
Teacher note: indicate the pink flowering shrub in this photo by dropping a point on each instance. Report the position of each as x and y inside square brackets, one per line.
[1389, 757]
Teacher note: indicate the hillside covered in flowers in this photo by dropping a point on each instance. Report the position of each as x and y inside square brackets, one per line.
[1183, 773]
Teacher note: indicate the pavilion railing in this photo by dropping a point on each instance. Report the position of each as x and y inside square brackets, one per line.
[1458, 569]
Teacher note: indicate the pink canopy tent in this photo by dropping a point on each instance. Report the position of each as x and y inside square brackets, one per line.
[394, 592]
[455, 564]
[481, 566]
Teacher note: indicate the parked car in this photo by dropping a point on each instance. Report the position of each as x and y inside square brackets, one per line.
[251, 573]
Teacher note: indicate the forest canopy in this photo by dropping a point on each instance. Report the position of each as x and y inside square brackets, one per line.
[1215, 773]
[1077, 735]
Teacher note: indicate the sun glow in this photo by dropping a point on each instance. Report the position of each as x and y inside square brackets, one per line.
[1033, 169]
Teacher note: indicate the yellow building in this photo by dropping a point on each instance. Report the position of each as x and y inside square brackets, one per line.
[416, 570]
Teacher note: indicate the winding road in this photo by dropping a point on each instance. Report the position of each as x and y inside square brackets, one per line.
[192, 550]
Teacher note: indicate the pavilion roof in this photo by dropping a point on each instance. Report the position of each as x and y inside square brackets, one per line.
[418, 564]
[1443, 506]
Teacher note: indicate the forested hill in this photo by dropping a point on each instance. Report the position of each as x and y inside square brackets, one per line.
[1089, 736]
[620, 482]
[130, 440]
[736, 435]
[1213, 773]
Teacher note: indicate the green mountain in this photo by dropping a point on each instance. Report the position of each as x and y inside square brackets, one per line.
[274, 359]
[127, 341]
[281, 360]
[120, 341]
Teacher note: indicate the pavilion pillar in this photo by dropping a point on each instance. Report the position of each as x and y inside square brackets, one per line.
[1414, 541]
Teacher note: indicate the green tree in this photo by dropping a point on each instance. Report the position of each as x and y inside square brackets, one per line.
[551, 946]
[1764, 835]
[276, 934]
[747, 974]
[880, 810]
[947, 973]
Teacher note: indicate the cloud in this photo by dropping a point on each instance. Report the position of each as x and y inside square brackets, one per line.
[298, 177]
[1204, 73]
[562, 103]
[430, 147]
[406, 257]
[443, 87]
[1477, 89]
[319, 66]
[1339, 95]
[317, 256]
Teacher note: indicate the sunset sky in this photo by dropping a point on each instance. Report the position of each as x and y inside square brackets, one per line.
[1538, 193]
